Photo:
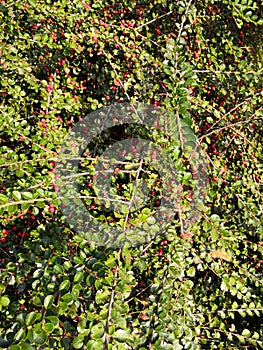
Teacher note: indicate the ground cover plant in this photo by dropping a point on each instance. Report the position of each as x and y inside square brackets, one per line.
[185, 289]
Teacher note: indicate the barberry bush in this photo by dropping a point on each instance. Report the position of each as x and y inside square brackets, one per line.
[195, 289]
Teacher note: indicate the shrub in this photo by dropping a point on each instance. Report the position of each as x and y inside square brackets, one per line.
[199, 289]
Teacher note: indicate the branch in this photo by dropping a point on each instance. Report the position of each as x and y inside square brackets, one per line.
[107, 336]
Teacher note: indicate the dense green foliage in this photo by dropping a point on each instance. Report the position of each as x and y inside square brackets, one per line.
[200, 289]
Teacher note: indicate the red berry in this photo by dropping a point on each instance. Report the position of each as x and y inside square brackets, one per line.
[144, 317]
[157, 203]
[51, 208]
[134, 150]
[160, 252]
[49, 87]
[164, 242]
[56, 188]
[5, 232]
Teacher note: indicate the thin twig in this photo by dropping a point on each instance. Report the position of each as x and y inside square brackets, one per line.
[155, 19]
[183, 21]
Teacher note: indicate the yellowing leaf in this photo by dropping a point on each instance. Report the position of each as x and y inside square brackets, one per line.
[217, 254]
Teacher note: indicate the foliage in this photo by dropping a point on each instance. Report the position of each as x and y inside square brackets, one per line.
[196, 289]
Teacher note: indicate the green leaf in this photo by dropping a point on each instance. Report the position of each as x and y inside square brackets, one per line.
[16, 195]
[65, 342]
[77, 343]
[48, 327]
[121, 335]
[31, 318]
[68, 298]
[98, 331]
[151, 220]
[58, 269]
[15, 347]
[102, 296]
[39, 337]
[19, 173]
[67, 265]
[52, 319]
[21, 334]
[78, 277]
[25, 206]
[64, 285]
[62, 307]
[12, 209]
[246, 333]
[75, 291]
[121, 322]
[27, 195]
[49, 300]
[191, 271]
[3, 199]
[241, 339]
[215, 217]
[38, 273]
[4, 300]
[26, 346]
